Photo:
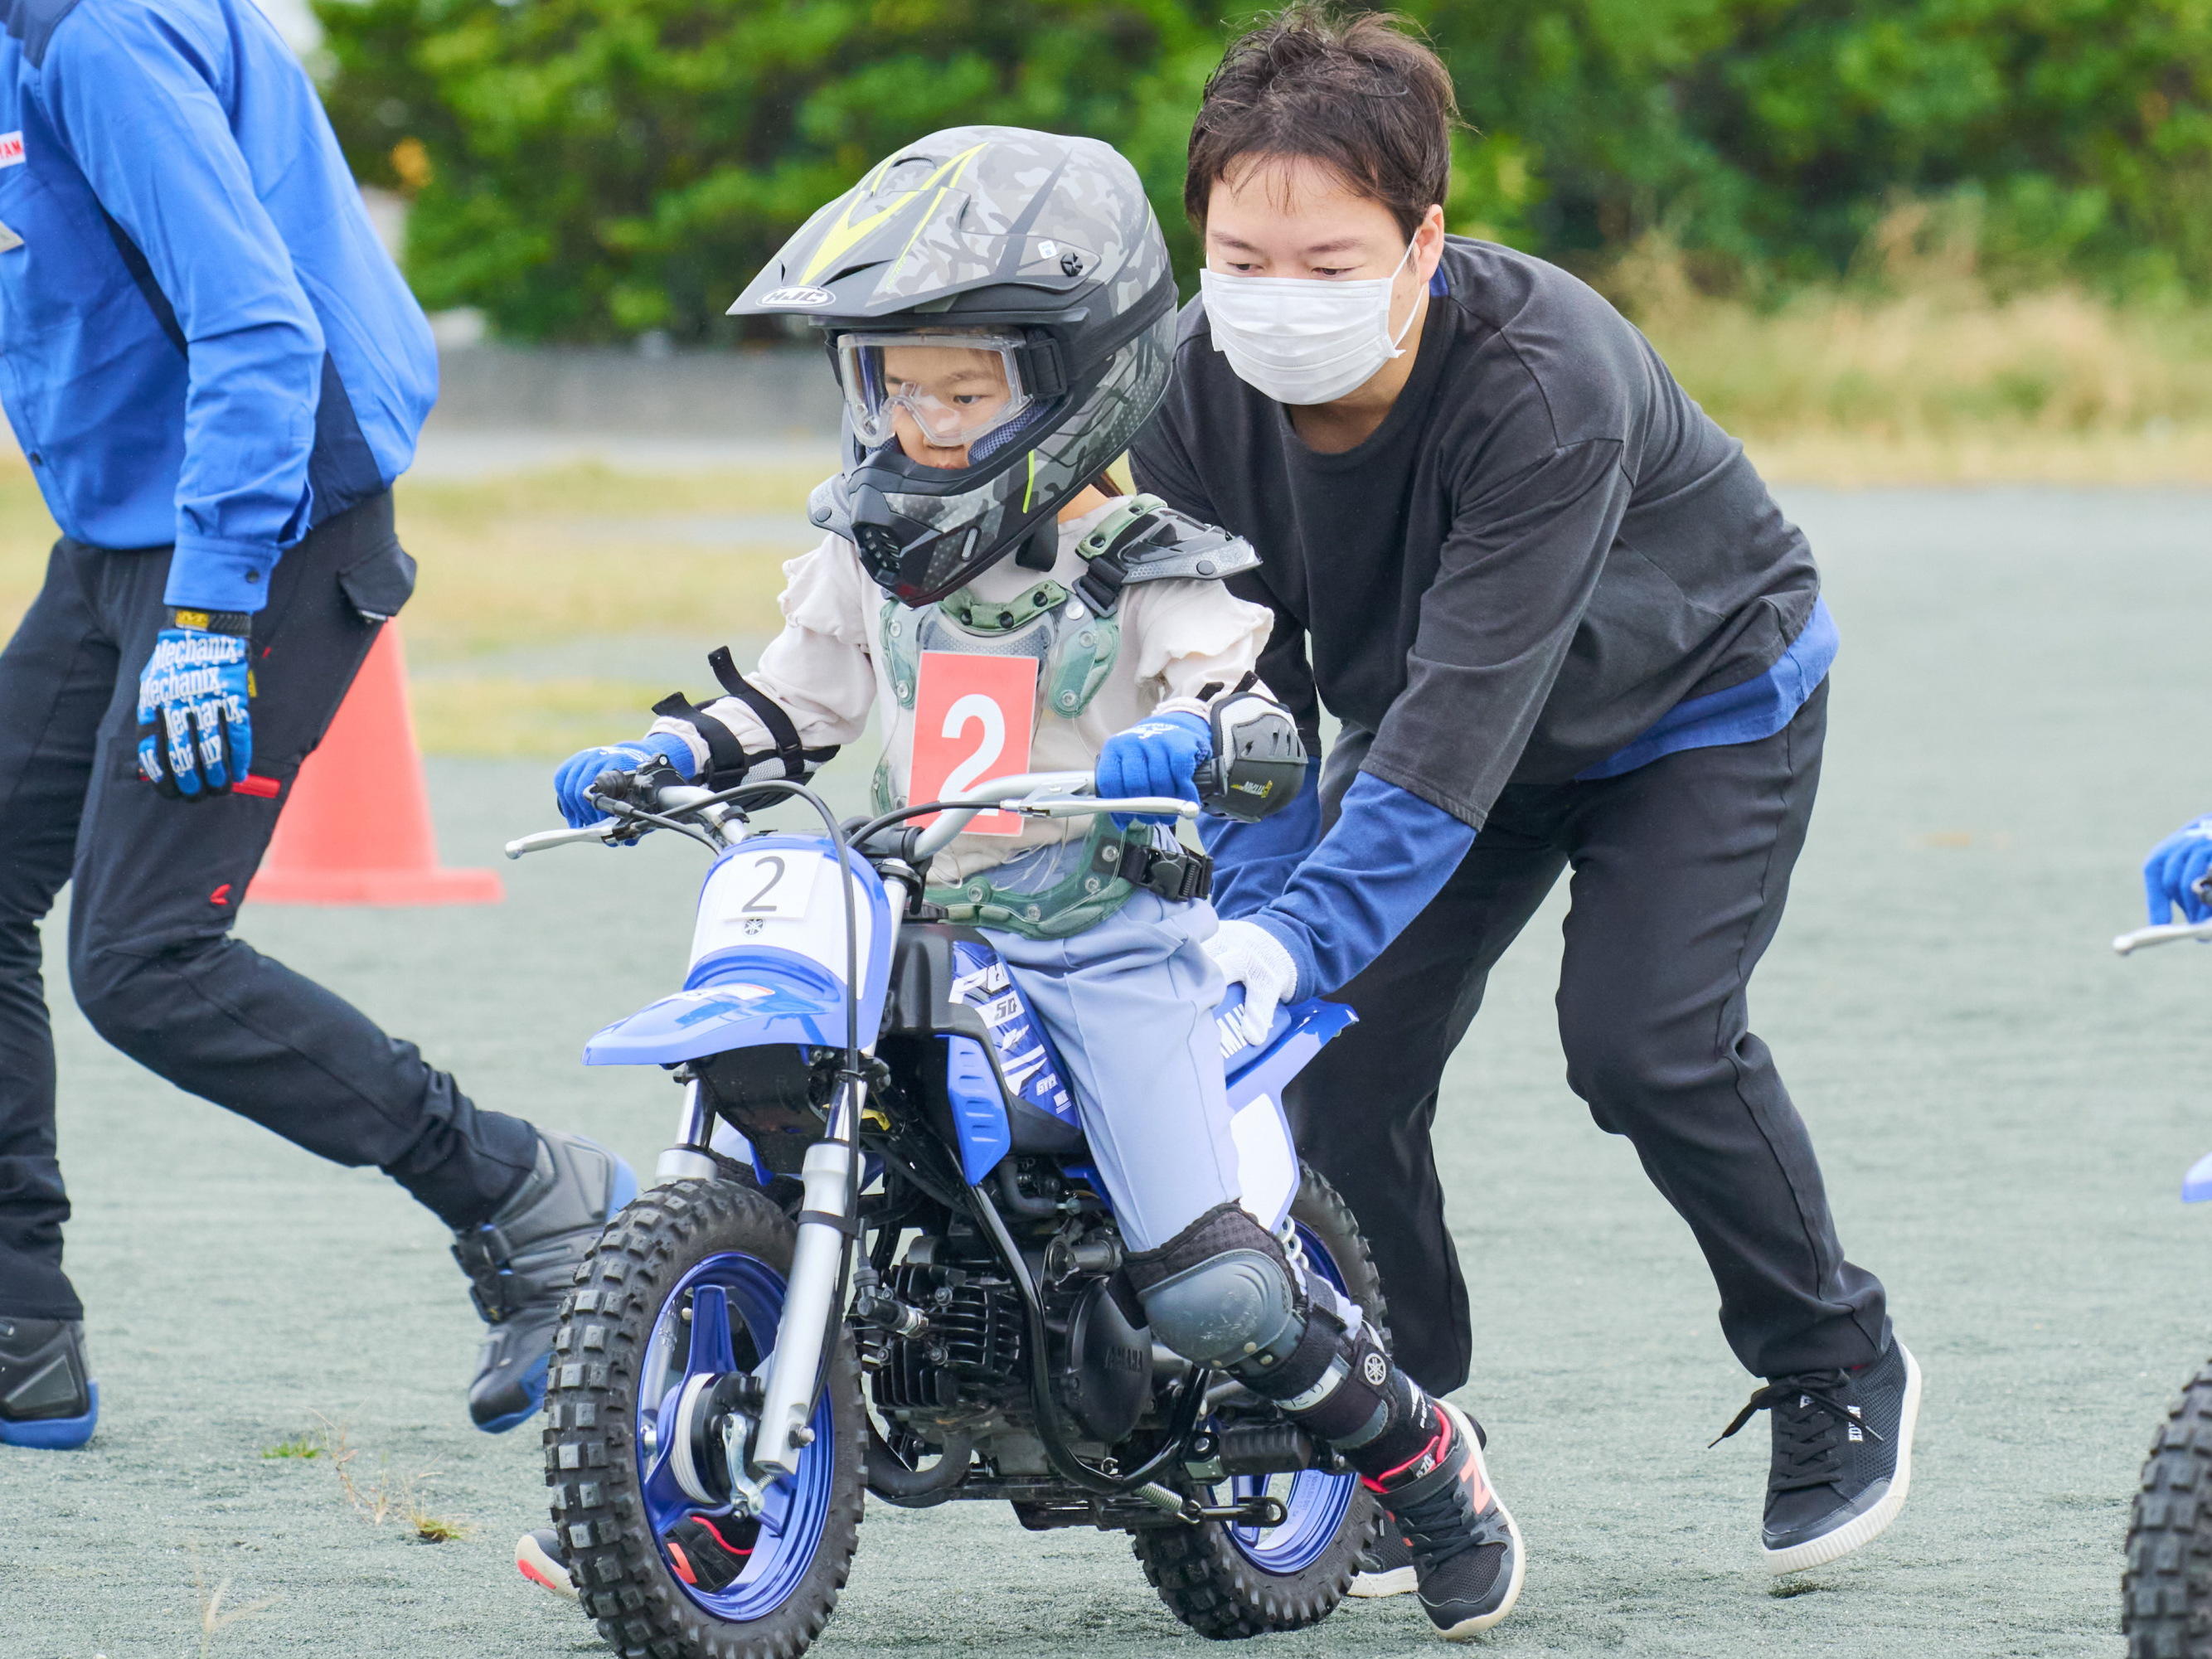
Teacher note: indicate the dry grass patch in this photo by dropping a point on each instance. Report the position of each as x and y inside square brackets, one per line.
[1921, 375]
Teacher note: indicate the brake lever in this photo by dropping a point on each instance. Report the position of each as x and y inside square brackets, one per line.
[544, 839]
[2167, 934]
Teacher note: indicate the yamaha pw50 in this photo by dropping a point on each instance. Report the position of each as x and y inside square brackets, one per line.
[879, 1259]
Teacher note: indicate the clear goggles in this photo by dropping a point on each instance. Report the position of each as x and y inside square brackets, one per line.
[953, 388]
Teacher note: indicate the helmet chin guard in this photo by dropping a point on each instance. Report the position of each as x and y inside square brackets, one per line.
[992, 296]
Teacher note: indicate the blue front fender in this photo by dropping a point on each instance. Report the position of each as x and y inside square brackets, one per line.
[769, 996]
[2197, 1185]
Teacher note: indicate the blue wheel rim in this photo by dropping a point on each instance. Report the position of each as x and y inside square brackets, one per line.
[735, 1301]
[1314, 1504]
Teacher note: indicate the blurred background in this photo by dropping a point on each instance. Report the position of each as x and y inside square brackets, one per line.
[1909, 242]
[1942, 264]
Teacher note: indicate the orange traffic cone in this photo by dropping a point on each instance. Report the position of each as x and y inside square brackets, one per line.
[356, 829]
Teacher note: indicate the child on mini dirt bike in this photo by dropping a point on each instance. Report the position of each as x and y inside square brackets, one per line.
[999, 309]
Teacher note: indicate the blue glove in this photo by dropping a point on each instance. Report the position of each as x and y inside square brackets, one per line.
[195, 705]
[573, 782]
[2174, 867]
[1156, 757]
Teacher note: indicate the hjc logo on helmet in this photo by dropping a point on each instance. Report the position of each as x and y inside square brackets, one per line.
[799, 297]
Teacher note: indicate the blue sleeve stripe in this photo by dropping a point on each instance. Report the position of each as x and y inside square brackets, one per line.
[1388, 853]
[1742, 713]
[1254, 862]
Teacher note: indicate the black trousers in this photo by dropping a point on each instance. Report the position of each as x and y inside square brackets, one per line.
[1679, 871]
[155, 886]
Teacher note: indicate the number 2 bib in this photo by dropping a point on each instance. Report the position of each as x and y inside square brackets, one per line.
[974, 720]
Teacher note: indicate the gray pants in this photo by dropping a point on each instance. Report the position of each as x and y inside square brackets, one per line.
[1129, 1004]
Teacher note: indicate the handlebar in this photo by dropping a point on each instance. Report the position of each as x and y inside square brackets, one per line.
[1031, 794]
[1042, 795]
[2167, 934]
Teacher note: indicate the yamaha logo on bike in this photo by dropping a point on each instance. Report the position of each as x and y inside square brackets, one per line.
[1375, 1370]
[799, 296]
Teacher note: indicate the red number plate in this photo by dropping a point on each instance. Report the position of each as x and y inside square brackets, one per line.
[974, 718]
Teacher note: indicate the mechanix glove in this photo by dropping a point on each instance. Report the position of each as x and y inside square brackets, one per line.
[1256, 763]
[195, 704]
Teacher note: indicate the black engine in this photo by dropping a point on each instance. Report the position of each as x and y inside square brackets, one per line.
[973, 1357]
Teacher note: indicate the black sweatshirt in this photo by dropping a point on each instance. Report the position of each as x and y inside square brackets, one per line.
[1544, 547]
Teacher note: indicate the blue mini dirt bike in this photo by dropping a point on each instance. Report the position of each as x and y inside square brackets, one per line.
[877, 1259]
[2166, 1593]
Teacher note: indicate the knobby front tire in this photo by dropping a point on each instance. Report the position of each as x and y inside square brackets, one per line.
[616, 1335]
[2166, 1594]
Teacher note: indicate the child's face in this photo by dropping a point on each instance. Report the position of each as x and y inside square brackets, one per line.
[949, 395]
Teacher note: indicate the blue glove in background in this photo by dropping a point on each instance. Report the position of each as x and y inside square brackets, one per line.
[195, 712]
[1158, 756]
[2174, 867]
[573, 782]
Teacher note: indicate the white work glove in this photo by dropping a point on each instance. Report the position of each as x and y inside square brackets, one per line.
[1248, 955]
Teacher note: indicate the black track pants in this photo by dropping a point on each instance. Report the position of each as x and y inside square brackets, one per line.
[156, 887]
[1679, 871]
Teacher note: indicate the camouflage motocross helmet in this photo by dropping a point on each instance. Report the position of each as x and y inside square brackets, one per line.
[1034, 259]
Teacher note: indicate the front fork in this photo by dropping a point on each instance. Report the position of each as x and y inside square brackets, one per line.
[786, 1383]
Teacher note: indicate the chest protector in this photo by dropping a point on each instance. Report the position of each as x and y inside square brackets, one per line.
[1074, 636]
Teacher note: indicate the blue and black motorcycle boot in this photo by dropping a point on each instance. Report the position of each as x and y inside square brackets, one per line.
[521, 1261]
[47, 1397]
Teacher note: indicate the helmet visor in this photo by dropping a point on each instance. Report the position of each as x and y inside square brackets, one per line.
[930, 391]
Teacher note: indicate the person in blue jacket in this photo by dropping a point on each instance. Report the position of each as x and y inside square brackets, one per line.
[216, 372]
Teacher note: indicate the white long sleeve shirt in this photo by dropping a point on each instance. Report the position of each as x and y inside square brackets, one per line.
[1179, 637]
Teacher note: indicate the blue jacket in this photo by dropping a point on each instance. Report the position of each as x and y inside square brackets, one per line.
[202, 341]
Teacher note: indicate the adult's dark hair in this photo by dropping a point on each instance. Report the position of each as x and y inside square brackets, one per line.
[1361, 96]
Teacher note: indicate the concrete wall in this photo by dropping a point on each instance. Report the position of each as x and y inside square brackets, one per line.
[780, 394]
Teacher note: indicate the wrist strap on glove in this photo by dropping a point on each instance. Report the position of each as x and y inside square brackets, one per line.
[239, 622]
[727, 762]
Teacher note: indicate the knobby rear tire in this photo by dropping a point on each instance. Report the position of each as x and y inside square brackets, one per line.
[642, 1609]
[1206, 1580]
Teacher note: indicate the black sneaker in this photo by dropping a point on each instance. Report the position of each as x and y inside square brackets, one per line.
[1385, 1568]
[48, 1400]
[1467, 1552]
[521, 1261]
[1842, 1457]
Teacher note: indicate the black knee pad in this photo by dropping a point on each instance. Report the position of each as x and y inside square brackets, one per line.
[1221, 1292]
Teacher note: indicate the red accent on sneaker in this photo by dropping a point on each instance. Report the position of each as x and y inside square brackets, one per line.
[534, 1576]
[677, 1562]
[220, 895]
[1427, 1458]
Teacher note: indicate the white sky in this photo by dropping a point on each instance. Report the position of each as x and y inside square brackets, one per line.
[294, 22]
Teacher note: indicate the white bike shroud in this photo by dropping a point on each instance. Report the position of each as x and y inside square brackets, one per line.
[770, 945]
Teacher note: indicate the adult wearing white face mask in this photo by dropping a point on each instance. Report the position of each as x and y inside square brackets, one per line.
[1564, 626]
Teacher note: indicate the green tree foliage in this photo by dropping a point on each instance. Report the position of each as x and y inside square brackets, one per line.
[589, 170]
[2066, 137]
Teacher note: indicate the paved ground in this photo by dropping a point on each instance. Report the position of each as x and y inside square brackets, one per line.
[2005, 1110]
